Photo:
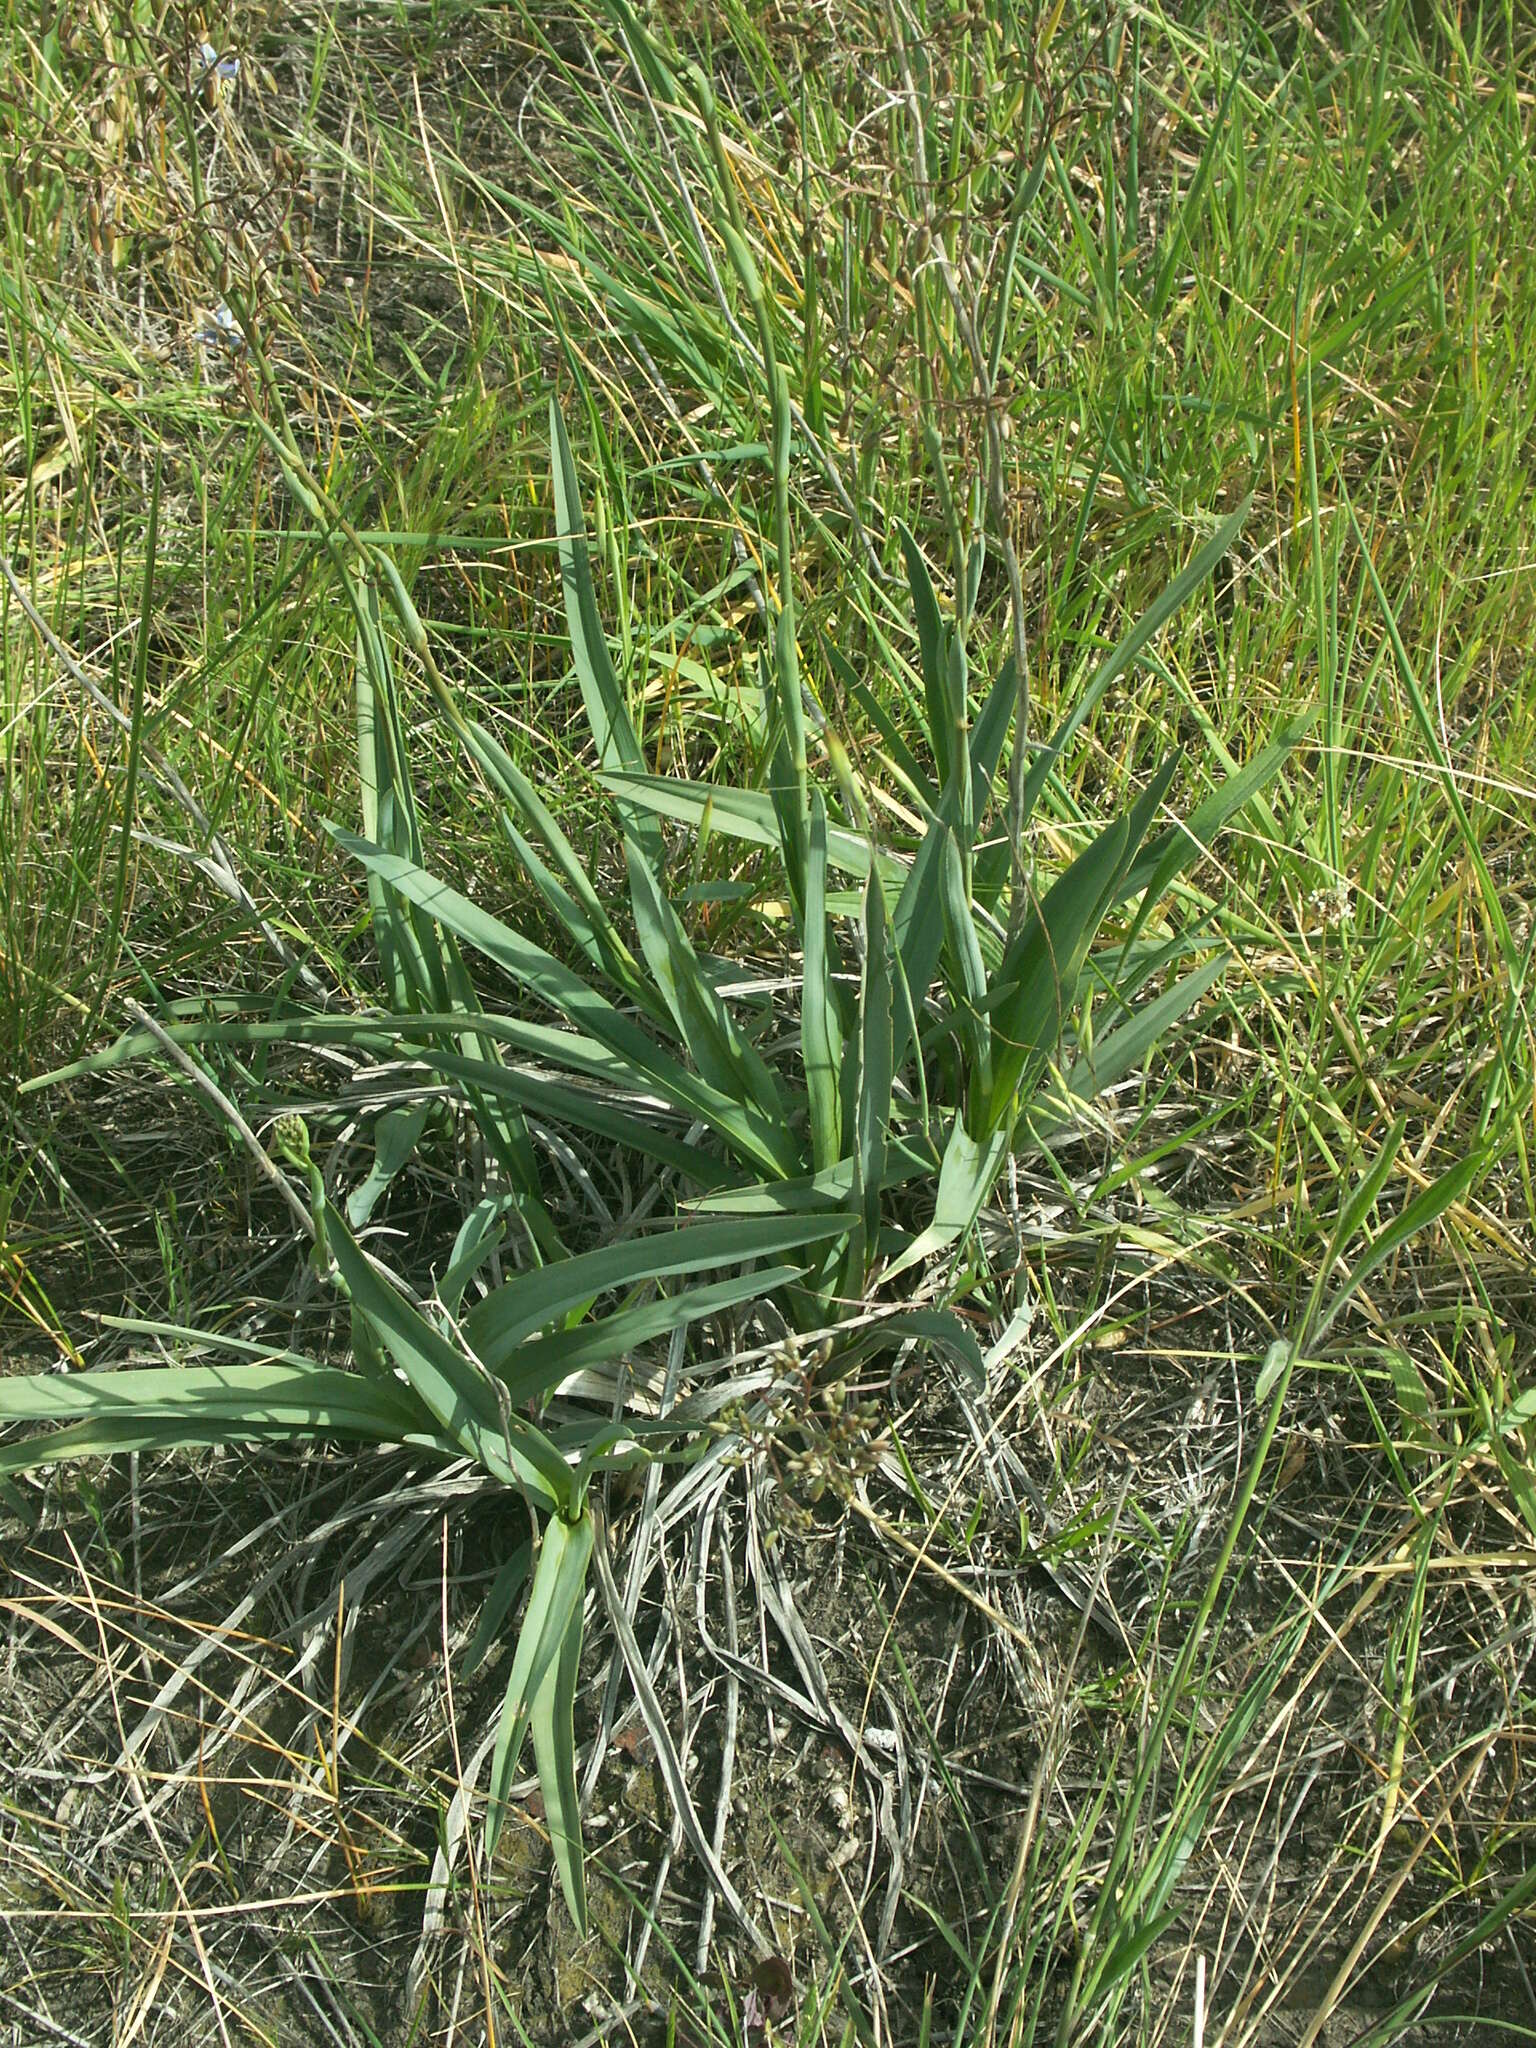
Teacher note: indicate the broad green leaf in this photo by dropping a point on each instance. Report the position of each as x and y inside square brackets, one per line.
[933, 649]
[786, 795]
[395, 1138]
[456, 1391]
[559, 1581]
[534, 1369]
[159, 1407]
[939, 1327]
[965, 951]
[571, 913]
[820, 1033]
[919, 783]
[530, 1302]
[906, 1160]
[503, 1128]
[725, 1059]
[588, 1109]
[607, 712]
[424, 965]
[990, 732]
[496, 1606]
[966, 1178]
[745, 814]
[917, 930]
[1412, 1404]
[421, 1036]
[479, 1235]
[1036, 986]
[115, 1436]
[1121, 1051]
[371, 686]
[873, 1113]
[553, 1726]
[771, 1147]
[959, 796]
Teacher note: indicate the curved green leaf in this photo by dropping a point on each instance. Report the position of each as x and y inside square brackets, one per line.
[559, 1581]
[455, 1390]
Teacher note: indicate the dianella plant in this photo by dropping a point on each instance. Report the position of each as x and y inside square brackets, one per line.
[818, 1154]
[936, 1001]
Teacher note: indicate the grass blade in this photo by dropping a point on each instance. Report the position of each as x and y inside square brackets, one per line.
[1140, 636]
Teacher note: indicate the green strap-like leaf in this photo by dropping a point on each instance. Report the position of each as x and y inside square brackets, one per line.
[959, 794]
[940, 1327]
[873, 1116]
[559, 1581]
[965, 951]
[1122, 1051]
[990, 732]
[159, 1407]
[1130, 646]
[820, 1033]
[479, 1235]
[919, 782]
[395, 1138]
[455, 1390]
[602, 940]
[535, 1368]
[966, 1178]
[917, 932]
[532, 1301]
[553, 1725]
[727, 1061]
[1036, 985]
[745, 814]
[607, 712]
[932, 642]
[755, 1137]
[496, 1606]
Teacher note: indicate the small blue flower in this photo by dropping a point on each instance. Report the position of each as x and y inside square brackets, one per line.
[220, 330]
[208, 64]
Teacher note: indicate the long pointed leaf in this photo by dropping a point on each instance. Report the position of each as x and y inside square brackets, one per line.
[559, 1581]
[1130, 646]
[534, 1369]
[745, 814]
[722, 1055]
[874, 1096]
[932, 644]
[820, 1033]
[753, 1135]
[553, 1724]
[532, 1301]
[607, 712]
[1036, 986]
[455, 1390]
